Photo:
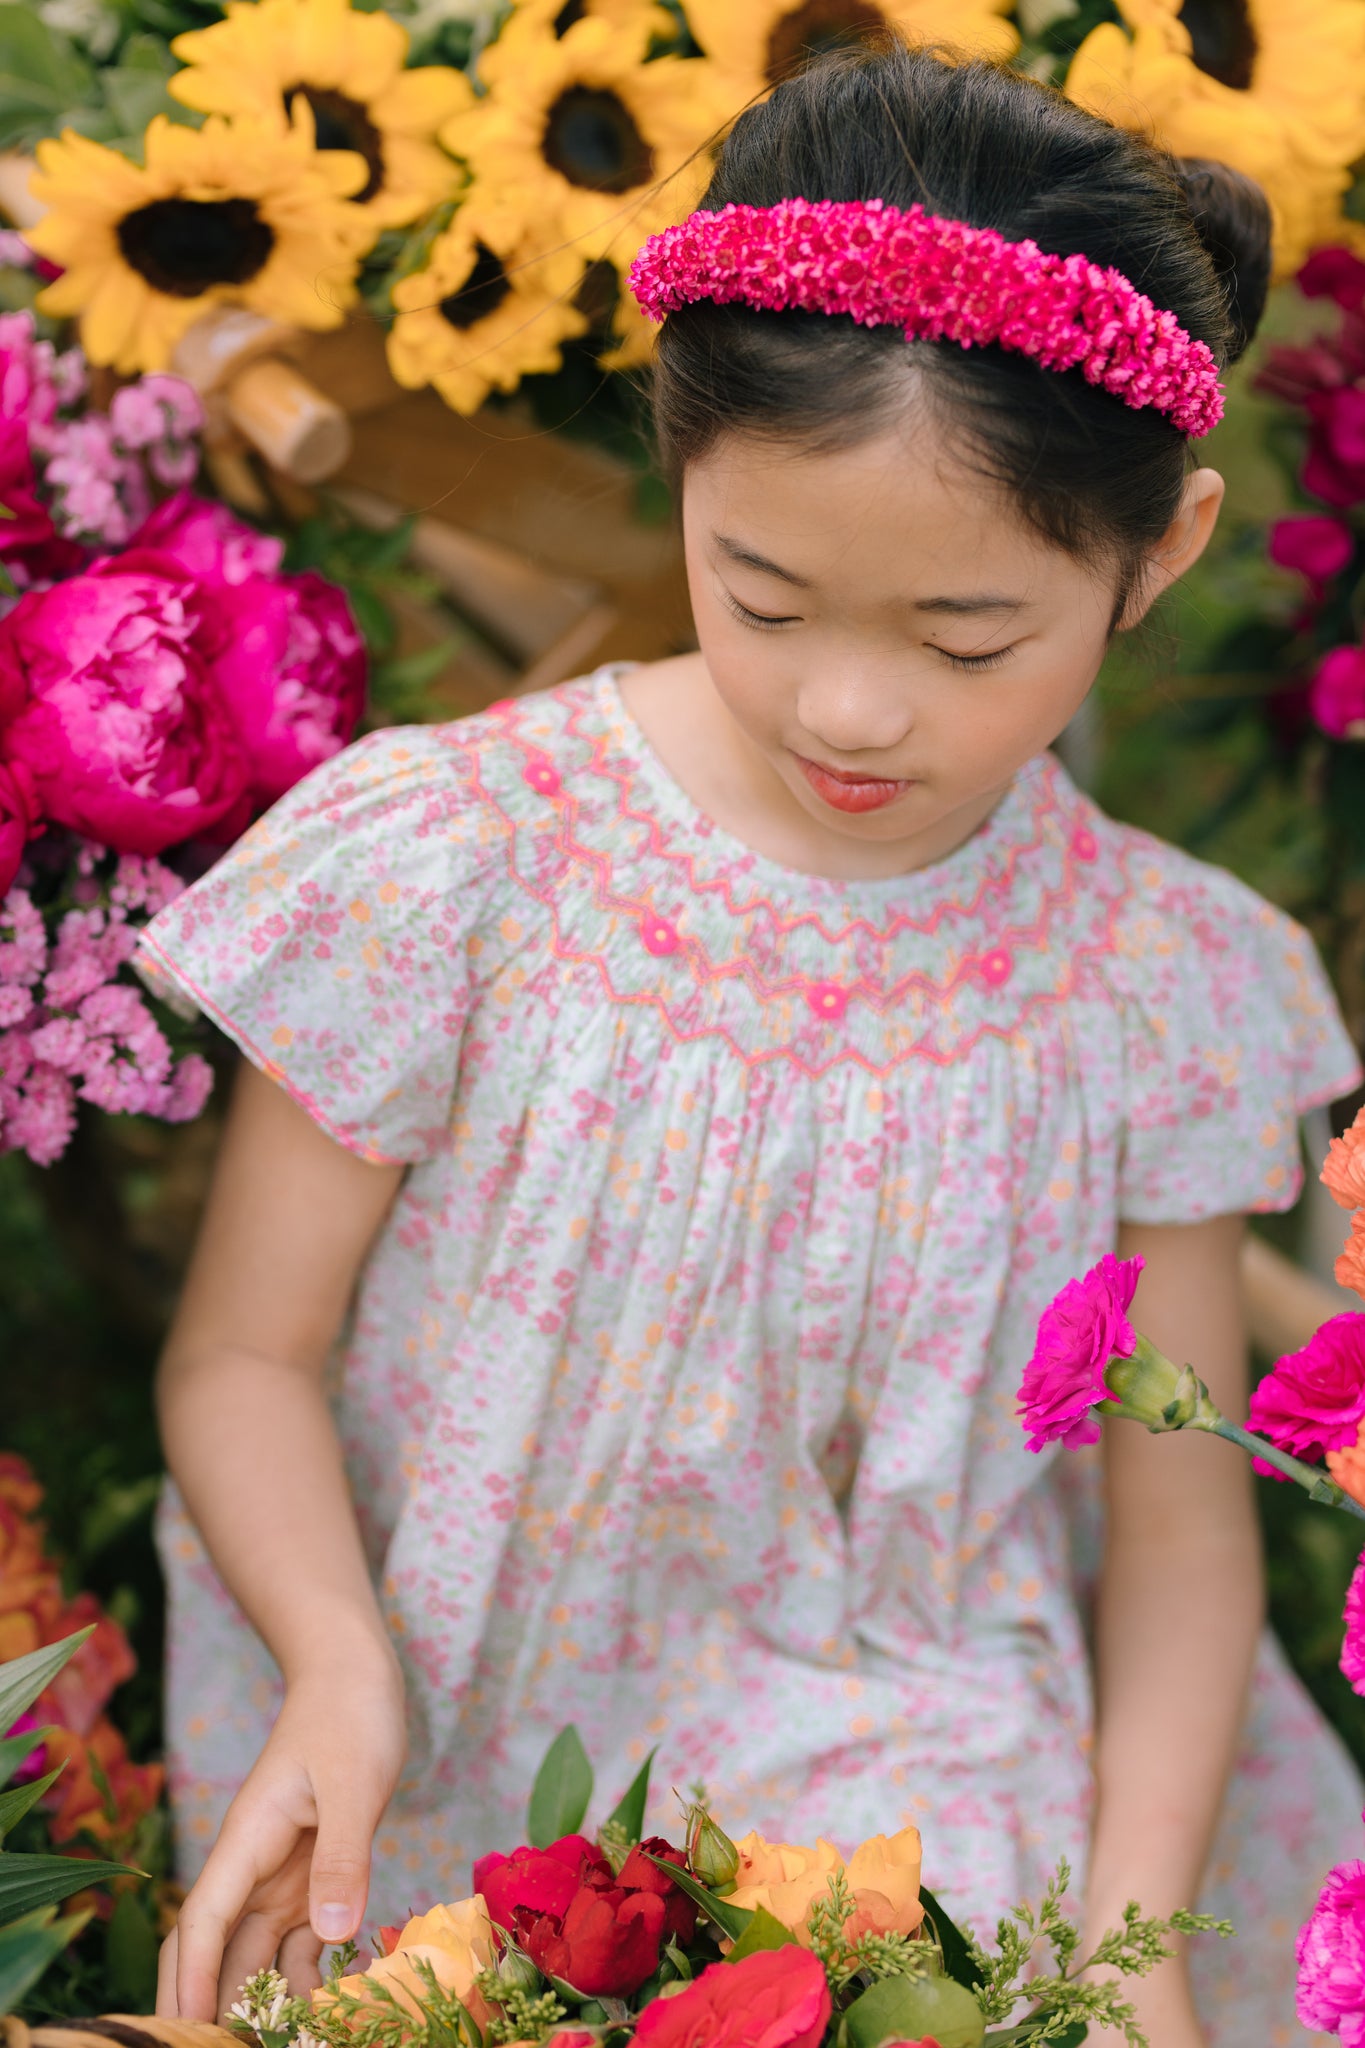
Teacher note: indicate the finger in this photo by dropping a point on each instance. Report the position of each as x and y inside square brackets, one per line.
[339, 1880]
[255, 1842]
[166, 2005]
[252, 1946]
[299, 1955]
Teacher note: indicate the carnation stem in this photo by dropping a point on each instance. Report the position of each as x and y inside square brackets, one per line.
[1311, 1478]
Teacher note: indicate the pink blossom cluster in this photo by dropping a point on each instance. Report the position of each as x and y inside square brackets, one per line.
[1079, 1333]
[938, 280]
[1331, 1957]
[69, 1027]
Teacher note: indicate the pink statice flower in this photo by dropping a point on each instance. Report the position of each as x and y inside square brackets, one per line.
[1079, 1333]
[1353, 1643]
[1313, 1401]
[1331, 1956]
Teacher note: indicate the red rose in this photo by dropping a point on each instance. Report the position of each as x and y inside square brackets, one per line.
[605, 1945]
[107, 683]
[540, 1880]
[638, 1874]
[777, 1998]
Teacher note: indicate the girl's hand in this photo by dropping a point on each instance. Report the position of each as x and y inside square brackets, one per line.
[290, 1870]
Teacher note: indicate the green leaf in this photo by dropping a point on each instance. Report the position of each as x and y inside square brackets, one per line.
[957, 1956]
[27, 1946]
[15, 1748]
[763, 1931]
[907, 2008]
[16, 1803]
[130, 1948]
[30, 1881]
[41, 76]
[731, 1920]
[629, 1811]
[560, 1795]
[23, 1678]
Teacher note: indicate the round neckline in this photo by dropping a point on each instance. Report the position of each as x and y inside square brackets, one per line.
[710, 846]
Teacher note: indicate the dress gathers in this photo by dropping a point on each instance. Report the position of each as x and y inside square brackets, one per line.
[678, 1393]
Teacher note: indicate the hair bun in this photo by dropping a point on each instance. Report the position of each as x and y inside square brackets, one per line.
[1232, 219]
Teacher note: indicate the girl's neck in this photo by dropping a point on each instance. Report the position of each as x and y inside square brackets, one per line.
[711, 758]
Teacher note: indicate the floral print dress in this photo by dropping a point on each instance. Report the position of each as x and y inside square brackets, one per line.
[678, 1394]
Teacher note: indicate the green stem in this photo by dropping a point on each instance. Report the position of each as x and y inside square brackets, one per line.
[1311, 1478]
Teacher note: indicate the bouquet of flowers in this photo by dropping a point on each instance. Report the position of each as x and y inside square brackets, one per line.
[1308, 1425]
[593, 1942]
[160, 682]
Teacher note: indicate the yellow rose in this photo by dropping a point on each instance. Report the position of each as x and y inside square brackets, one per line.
[457, 1941]
[883, 1876]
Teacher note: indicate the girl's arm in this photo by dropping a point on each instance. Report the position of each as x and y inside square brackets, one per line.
[1179, 1611]
[250, 1441]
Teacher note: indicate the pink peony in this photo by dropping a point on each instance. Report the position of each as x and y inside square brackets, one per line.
[125, 733]
[18, 822]
[293, 671]
[1334, 274]
[1353, 1643]
[1312, 1401]
[1336, 695]
[209, 541]
[1079, 1333]
[1317, 547]
[1331, 1953]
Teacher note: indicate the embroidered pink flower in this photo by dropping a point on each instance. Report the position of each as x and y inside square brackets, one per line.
[827, 999]
[1353, 1644]
[1331, 1955]
[996, 967]
[543, 777]
[1312, 1401]
[1336, 695]
[124, 732]
[1084, 844]
[1079, 1333]
[659, 937]
[1313, 545]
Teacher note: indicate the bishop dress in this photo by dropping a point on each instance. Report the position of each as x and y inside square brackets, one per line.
[678, 1395]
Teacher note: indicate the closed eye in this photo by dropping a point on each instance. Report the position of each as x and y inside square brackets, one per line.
[971, 664]
[761, 621]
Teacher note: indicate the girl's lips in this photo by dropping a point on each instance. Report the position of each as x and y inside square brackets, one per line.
[854, 793]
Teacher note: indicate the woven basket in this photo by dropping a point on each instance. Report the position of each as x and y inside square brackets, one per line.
[125, 2030]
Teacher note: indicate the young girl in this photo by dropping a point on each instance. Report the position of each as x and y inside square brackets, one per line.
[672, 1101]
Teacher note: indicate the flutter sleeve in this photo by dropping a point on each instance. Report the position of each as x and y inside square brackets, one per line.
[1232, 1032]
[331, 942]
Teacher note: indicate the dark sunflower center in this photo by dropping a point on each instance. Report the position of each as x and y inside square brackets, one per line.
[1224, 38]
[185, 246]
[814, 28]
[592, 140]
[342, 123]
[482, 292]
[572, 11]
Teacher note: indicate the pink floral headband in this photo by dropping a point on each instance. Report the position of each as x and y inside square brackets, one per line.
[938, 280]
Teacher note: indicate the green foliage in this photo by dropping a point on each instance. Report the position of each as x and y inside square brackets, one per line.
[907, 2008]
[562, 1791]
[762, 1932]
[629, 1812]
[28, 1947]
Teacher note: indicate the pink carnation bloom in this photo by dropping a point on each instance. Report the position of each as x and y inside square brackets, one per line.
[1331, 1953]
[1336, 695]
[1079, 1333]
[1315, 546]
[1353, 1645]
[1312, 1401]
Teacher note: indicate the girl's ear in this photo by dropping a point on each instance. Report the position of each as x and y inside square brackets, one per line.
[1179, 548]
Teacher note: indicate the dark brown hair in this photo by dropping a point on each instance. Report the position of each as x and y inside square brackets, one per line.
[974, 142]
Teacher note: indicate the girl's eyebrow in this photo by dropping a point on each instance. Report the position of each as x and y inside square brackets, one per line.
[753, 560]
[965, 606]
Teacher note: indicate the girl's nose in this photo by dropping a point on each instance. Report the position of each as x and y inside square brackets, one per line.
[851, 712]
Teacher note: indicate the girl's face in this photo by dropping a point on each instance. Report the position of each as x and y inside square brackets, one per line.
[889, 636]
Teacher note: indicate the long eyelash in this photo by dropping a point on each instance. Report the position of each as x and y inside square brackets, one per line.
[972, 664]
[755, 619]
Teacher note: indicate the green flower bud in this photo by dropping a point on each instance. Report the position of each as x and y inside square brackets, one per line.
[516, 1972]
[1148, 1388]
[711, 1855]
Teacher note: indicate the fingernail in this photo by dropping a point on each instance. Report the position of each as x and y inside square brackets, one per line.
[332, 1923]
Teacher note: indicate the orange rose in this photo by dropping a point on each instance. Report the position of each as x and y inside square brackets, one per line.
[1347, 1467]
[1343, 1171]
[457, 1941]
[1350, 1267]
[883, 1876]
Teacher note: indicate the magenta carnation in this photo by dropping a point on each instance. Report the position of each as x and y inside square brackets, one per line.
[1331, 1953]
[1312, 1401]
[1334, 273]
[124, 731]
[1079, 1333]
[1334, 468]
[1353, 1644]
[1316, 546]
[1336, 696]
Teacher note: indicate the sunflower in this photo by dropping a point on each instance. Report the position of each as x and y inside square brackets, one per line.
[580, 140]
[244, 214]
[556, 17]
[760, 43]
[478, 318]
[348, 67]
[1275, 89]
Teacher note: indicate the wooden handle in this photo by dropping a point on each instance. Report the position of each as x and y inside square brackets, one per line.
[296, 428]
[15, 198]
[122, 2030]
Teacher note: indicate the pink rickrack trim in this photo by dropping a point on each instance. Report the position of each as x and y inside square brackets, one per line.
[939, 280]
